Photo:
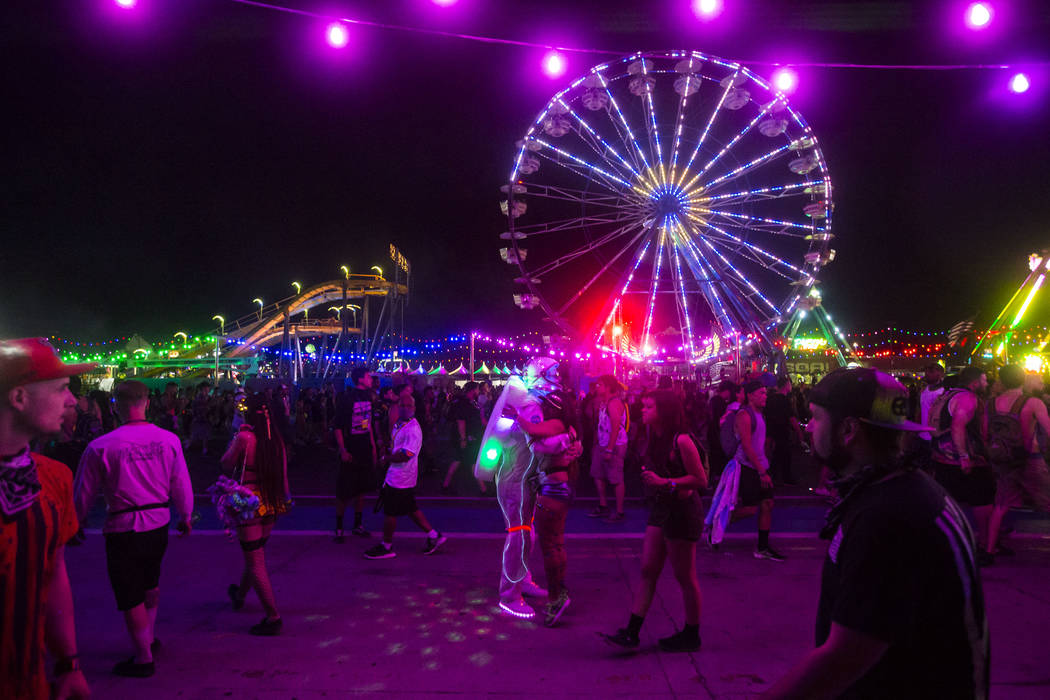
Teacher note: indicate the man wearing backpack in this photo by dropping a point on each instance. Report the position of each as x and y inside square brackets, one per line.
[958, 450]
[1014, 420]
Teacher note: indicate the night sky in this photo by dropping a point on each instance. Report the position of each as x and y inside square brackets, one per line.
[174, 162]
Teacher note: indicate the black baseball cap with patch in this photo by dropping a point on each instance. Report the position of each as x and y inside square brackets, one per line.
[874, 397]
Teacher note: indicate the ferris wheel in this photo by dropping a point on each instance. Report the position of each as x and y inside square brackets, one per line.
[664, 198]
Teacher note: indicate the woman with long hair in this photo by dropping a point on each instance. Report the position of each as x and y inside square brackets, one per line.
[555, 443]
[673, 472]
[258, 450]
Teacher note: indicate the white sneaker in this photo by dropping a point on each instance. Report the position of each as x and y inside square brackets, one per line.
[533, 590]
[517, 608]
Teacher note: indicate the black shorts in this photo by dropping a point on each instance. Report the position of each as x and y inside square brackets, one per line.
[133, 562]
[356, 477]
[398, 502]
[679, 518]
[751, 491]
[974, 489]
[469, 454]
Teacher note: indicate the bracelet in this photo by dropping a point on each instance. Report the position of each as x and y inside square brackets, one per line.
[67, 665]
[673, 485]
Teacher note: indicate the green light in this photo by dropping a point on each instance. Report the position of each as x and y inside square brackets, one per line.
[491, 452]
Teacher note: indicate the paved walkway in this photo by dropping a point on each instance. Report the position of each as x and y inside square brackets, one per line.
[418, 626]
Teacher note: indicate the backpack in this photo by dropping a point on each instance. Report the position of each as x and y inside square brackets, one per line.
[727, 436]
[1005, 443]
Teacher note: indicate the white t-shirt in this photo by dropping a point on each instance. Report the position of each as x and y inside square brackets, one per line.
[926, 399]
[758, 441]
[408, 437]
[135, 465]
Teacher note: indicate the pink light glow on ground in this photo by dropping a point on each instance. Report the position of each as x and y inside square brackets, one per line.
[978, 15]
[554, 64]
[336, 35]
[785, 80]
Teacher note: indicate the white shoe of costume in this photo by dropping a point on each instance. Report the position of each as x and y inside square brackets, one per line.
[533, 590]
[517, 608]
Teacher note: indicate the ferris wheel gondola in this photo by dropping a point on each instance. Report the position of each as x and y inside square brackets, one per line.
[667, 190]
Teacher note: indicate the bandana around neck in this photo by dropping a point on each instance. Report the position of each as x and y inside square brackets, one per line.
[19, 485]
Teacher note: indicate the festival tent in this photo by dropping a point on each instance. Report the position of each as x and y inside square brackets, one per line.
[440, 369]
[460, 370]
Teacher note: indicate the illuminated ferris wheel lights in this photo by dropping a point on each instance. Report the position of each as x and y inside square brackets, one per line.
[1019, 83]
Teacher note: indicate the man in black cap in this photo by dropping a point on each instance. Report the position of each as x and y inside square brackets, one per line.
[901, 611]
[37, 518]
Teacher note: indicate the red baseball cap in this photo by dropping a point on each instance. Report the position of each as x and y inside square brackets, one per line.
[30, 360]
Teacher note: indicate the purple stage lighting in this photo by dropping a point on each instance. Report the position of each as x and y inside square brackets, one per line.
[126, 4]
[444, 3]
[554, 64]
[707, 9]
[1019, 83]
[978, 15]
[336, 35]
[785, 80]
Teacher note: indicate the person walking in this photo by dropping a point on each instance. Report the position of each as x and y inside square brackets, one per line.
[755, 492]
[674, 472]
[901, 611]
[140, 470]
[354, 435]
[610, 447]
[258, 451]
[38, 513]
[398, 493]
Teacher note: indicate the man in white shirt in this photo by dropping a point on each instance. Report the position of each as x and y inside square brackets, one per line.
[934, 378]
[398, 492]
[141, 472]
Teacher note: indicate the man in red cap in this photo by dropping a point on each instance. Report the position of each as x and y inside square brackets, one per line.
[37, 518]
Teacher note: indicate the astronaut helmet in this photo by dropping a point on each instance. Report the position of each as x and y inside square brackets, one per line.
[541, 374]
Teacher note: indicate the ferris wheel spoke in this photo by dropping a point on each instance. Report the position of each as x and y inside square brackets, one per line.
[609, 311]
[588, 247]
[743, 169]
[651, 127]
[733, 141]
[580, 222]
[601, 148]
[605, 268]
[760, 221]
[685, 325]
[582, 167]
[623, 129]
[611, 201]
[751, 253]
[759, 194]
[708, 280]
[657, 264]
[707, 128]
[680, 119]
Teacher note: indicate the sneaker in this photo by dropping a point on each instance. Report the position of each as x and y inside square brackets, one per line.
[622, 638]
[380, 552]
[360, 531]
[130, 669]
[769, 553]
[432, 544]
[553, 611]
[533, 590]
[615, 518]
[680, 642]
[599, 512]
[267, 628]
[517, 608]
[234, 592]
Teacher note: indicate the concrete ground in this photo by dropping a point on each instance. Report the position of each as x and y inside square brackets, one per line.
[427, 626]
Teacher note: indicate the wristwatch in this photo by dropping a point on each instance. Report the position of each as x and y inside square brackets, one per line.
[67, 665]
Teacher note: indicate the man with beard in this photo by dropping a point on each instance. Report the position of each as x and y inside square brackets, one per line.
[957, 444]
[901, 611]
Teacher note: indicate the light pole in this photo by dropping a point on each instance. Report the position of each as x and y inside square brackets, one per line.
[336, 310]
[346, 271]
[259, 301]
[185, 338]
[379, 270]
[222, 323]
[298, 288]
[354, 308]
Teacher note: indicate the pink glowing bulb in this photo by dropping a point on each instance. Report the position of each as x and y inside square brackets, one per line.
[1020, 83]
[706, 9]
[978, 15]
[554, 64]
[785, 80]
[126, 4]
[336, 35]
[444, 3]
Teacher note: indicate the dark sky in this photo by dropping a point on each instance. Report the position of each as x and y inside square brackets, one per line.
[164, 167]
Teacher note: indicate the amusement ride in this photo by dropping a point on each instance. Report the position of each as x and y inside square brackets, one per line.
[670, 203]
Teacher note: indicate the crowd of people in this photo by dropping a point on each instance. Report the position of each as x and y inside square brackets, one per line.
[900, 598]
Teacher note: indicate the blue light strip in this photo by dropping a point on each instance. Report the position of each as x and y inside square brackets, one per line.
[765, 190]
[707, 129]
[685, 304]
[706, 279]
[603, 142]
[747, 166]
[657, 265]
[619, 299]
[652, 125]
[751, 246]
[758, 219]
[742, 278]
[582, 162]
[732, 142]
[623, 120]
